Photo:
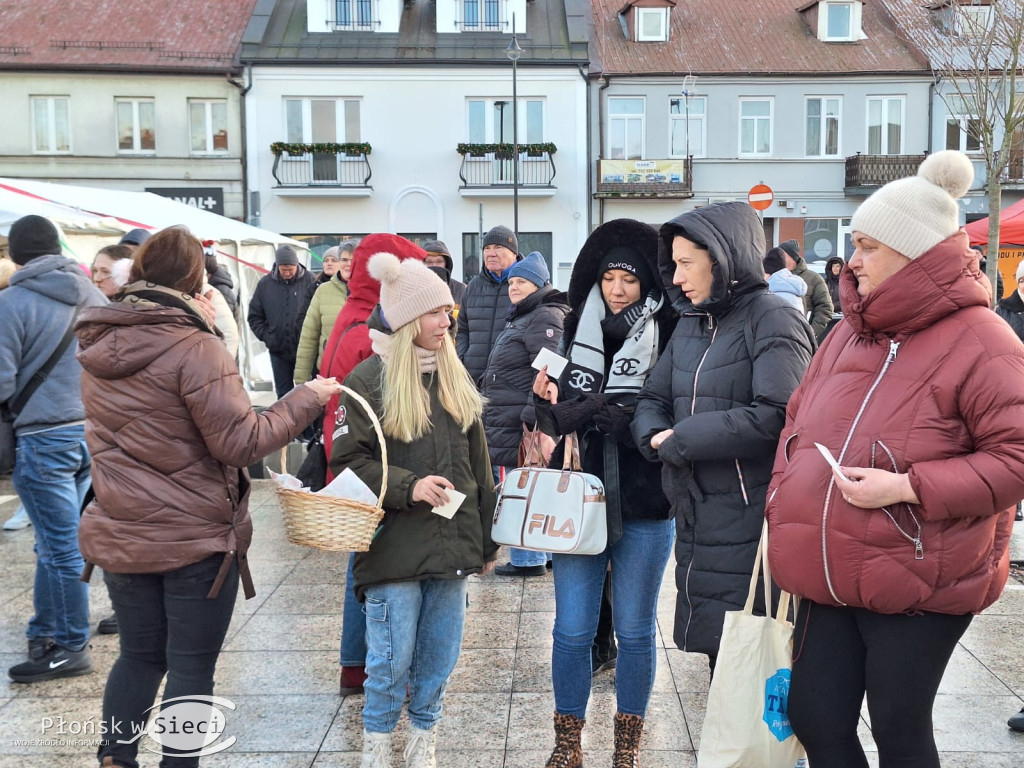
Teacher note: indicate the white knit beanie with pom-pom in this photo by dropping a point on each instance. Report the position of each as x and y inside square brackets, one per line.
[915, 214]
[408, 289]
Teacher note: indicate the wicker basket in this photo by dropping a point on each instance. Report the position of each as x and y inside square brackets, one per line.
[331, 523]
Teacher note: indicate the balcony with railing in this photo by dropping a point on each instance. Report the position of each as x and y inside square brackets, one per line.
[306, 168]
[492, 168]
[669, 178]
[866, 173]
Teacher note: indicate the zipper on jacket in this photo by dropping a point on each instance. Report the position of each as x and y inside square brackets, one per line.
[743, 486]
[696, 373]
[894, 347]
[915, 540]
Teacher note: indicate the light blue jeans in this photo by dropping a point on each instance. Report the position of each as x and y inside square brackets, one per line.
[413, 637]
[353, 624]
[51, 475]
[638, 562]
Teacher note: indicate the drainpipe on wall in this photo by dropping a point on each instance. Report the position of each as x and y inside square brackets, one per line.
[600, 137]
[590, 176]
[931, 110]
[242, 90]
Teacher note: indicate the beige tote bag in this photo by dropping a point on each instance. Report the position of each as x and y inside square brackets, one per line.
[747, 721]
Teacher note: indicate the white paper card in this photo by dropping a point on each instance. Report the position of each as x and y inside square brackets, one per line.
[347, 485]
[455, 499]
[831, 461]
[555, 363]
[290, 482]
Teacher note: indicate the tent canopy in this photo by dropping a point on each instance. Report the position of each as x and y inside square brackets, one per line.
[1011, 227]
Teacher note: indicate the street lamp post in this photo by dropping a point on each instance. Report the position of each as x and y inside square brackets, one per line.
[689, 84]
[501, 135]
[514, 52]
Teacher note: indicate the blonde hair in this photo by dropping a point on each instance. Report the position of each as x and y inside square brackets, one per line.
[406, 409]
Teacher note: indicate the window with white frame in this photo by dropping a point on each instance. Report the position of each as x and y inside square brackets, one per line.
[885, 125]
[973, 20]
[51, 124]
[136, 125]
[481, 15]
[687, 126]
[838, 20]
[319, 120]
[208, 126]
[651, 24]
[963, 126]
[822, 126]
[354, 14]
[756, 127]
[625, 128]
[490, 121]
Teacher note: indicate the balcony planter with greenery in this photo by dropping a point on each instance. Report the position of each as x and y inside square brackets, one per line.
[350, 149]
[505, 151]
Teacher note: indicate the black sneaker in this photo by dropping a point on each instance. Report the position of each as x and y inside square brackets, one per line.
[107, 626]
[600, 662]
[520, 570]
[1016, 722]
[55, 663]
[38, 646]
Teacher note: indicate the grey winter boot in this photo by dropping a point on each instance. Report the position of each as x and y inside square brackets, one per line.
[419, 752]
[376, 750]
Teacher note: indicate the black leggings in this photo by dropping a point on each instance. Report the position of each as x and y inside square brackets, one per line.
[897, 660]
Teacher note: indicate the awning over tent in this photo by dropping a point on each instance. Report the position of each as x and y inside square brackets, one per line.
[1011, 227]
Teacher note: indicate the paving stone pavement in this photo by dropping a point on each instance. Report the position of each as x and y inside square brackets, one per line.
[280, 668]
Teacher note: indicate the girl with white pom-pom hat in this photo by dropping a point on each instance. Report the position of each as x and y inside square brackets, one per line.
[917, 394]
[413, 580]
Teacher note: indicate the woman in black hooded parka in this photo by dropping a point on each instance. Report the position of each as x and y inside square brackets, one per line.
[619, 324]
[714, 407]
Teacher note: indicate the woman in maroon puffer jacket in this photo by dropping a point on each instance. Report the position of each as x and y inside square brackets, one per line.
[917, 393]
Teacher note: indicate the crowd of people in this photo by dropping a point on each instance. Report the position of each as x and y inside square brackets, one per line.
[693, 387]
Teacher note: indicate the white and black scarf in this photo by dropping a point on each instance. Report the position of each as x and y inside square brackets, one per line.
[630, 366]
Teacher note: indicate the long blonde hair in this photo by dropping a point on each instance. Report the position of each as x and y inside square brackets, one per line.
[406, 408]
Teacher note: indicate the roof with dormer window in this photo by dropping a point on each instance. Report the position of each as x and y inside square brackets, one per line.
[556, 32]
[743, 37]
[122, 35]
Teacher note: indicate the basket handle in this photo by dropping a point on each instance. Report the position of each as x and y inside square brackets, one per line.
[380, 438]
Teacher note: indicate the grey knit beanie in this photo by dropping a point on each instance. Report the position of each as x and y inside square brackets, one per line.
[915, 214]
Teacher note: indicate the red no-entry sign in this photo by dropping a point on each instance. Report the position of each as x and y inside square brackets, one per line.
[760, 197]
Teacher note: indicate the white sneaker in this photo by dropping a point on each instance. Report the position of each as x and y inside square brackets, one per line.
[18, 520]
[376, 750]
[419, 752]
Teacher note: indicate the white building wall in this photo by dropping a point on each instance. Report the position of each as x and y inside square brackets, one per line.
[413, 119]
[94, 159]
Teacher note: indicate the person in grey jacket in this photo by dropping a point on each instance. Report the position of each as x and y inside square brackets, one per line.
[714, 407]
[485, 303]
[51, 474]
[817, 302]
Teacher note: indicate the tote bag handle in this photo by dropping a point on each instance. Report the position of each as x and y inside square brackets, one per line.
[761, 563]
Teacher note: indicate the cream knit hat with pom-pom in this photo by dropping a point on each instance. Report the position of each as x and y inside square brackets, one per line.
[913, 215]
[408, 289]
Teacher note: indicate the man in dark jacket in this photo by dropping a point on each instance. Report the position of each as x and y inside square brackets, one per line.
[817, 302]
[485, 304]
[52, 471]
[714, 407]
[218, 277]
[438, 255]
[277, 310]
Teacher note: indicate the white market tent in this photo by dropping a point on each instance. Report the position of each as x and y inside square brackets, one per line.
[91, 217]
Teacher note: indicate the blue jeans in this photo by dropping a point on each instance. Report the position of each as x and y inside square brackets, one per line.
[51, 475]
[638, 563]
[522, 558]
[413, 637]
[166, 625]
[353, 624]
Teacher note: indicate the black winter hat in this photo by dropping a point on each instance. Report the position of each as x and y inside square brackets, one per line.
[134, 237]
[774, 260]
[792, 247]
[286, 257]
[32, 236]
[628, 258]
[501, 236]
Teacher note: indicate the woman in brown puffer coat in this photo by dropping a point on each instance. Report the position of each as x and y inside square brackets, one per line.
[170, 429]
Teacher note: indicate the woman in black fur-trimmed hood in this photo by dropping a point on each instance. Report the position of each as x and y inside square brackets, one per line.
[619, 323]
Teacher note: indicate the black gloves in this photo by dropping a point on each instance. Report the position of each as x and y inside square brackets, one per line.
[573, 415]
[614, 420]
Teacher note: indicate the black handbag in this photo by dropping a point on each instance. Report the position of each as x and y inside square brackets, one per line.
[313, 472]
